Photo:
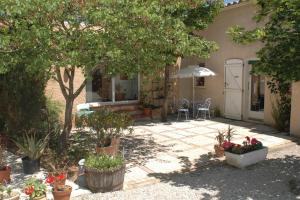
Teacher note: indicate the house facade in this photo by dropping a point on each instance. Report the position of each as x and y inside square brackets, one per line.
[234, 91]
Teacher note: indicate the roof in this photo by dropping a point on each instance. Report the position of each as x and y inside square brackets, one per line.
[232, 2]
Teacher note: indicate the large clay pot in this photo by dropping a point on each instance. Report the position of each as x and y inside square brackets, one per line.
[62, 194]
[105, 181]
[30, 166]
[112, 149]
[219, 151]
[5, 175]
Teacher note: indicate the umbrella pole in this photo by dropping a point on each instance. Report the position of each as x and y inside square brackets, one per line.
[193, 96]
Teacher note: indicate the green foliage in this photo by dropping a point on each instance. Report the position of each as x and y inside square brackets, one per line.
[104, 162]
[39, 188]
[125, 37]
[22, 99]
[239, 35]
[279, 58]
[52, 123]
[106, 124]
[281, 111]
[31, 146]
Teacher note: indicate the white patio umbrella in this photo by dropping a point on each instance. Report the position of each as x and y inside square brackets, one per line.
[193, 71]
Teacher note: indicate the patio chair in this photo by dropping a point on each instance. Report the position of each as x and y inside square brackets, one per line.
[204, 108]
[183, 108]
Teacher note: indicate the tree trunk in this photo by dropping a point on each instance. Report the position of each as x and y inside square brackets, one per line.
[164, 111]
[67, 123]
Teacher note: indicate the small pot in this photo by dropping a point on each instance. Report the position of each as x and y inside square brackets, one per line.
[63, 194]
[112, 149]
[147, 111]
[40, 198]
[5, 175]
[219, 151]
[30, 166]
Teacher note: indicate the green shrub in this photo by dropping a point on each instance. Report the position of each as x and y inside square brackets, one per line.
[106, 124]
[281, 111]
[32, 146]
[104, 162]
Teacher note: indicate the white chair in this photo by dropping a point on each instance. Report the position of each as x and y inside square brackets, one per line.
[204, 108]
[183, 108]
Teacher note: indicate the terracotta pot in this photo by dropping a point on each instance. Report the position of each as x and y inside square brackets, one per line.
[219, 151]
[105, 181]
[112, 149]
[147, 111]
[62, 194]
[5, 175]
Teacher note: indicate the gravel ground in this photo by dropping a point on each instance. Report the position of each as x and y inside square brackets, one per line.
[266, 180]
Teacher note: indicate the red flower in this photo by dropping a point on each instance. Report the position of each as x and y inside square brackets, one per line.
[61, 177]
[29, 190]
[254, 141]
[227, 145]
[50, 179]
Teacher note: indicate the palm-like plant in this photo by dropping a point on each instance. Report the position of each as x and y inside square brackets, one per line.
[31, 146]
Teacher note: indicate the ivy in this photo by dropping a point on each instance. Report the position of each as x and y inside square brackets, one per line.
[239, 35]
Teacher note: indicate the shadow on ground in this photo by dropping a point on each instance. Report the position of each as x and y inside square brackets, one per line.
[216, 180]
[139, 149]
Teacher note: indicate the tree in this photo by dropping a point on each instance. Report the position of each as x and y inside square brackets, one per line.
[60, 36]
[279, 58]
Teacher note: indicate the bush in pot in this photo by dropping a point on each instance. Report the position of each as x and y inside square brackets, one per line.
[60, 190]
[109, 127]
[35, 189]
[221, 137]
[33, 148]
[104, 173]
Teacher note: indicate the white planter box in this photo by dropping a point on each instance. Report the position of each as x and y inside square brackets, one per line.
[244, 160]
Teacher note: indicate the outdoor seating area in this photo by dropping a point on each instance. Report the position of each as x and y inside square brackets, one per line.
[149, 100]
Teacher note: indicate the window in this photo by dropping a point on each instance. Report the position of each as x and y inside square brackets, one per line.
[200, 81]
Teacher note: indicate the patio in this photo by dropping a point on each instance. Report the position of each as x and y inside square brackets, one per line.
[157, 148]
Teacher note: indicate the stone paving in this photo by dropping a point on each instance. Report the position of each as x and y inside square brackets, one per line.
[161, 148]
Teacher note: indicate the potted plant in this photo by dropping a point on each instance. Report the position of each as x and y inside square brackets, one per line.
[146, 105]
[35, 189]
[33, 148]
[7, 193]
[219, 150]
[104, 173]
[60, 190]
[221, 137]
[250, 152]
[109, 127]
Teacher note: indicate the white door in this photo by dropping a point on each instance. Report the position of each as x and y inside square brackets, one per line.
[233, 88]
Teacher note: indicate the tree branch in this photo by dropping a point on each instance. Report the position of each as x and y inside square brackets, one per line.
[61, 83]
[80, 88]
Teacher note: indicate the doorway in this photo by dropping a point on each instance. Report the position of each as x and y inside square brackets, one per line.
[233, 89]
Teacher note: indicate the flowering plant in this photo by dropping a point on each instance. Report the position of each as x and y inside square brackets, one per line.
[56, 179]
[248, 146]
[34, 188]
